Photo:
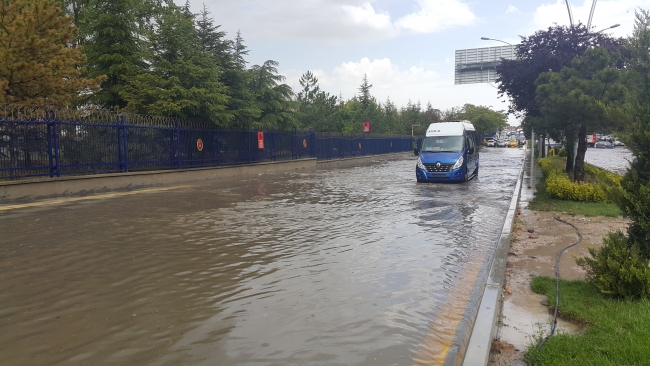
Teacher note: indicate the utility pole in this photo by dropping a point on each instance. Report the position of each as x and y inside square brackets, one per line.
[568, 7]
[591, 15]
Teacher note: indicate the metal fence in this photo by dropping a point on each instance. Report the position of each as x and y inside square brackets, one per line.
[39, 142]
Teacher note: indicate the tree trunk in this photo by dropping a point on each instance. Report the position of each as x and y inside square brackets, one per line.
[570, 141]
[579, 169]
[543, 151]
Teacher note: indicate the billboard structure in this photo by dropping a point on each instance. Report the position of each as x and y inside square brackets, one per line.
[478, 65]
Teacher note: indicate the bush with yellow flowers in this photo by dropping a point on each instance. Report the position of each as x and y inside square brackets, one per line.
[598, 186]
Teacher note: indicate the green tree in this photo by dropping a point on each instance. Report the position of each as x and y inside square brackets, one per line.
[364, 95]
[242, 104]
[570, 98]
[545, 50]
[110, 35]
[317, 109]
[38, 65]
[182, 80]
[634, 114]
[484, 119]
[272, 98]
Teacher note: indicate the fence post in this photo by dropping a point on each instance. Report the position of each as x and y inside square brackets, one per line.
[178, 143]
[56, 145]
[49, 146]
[274, 152]
[294, 151]
[125, 145]
[119, 144]
[250, 158]
[218, 149]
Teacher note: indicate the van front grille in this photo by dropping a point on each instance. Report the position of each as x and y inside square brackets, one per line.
[434, 168]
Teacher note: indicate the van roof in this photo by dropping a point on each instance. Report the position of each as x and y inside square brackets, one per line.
[450, 128]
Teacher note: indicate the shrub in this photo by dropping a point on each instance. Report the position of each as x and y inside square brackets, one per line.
[618, 269]
[558, 184]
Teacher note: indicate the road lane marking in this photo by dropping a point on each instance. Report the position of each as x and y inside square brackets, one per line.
[87, 198]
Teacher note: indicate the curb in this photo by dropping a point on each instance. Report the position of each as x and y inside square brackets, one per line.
[483, 325]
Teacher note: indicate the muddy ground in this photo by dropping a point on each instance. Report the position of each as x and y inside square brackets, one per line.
[537, 238]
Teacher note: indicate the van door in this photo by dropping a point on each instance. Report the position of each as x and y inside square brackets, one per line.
[471, 154]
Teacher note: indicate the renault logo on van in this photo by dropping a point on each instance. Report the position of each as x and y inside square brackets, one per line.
[438, 165]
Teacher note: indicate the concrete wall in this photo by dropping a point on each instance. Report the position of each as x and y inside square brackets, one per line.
[23, 190]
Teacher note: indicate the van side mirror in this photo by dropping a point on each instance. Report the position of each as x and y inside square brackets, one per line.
[416, 151]
[470, 150]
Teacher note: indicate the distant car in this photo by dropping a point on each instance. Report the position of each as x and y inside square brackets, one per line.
[502, 143]
[490, 143]
[618, 143]
[604, 145]
[513, 143]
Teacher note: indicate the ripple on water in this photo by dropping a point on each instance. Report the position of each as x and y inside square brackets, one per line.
[335, 266]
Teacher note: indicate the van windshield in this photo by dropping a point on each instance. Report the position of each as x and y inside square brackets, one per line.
[442, 144]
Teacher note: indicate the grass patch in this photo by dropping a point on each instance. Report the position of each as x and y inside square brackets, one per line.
[617, 332]
[543, 202]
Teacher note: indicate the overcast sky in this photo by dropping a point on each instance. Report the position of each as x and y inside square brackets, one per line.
[406, 47]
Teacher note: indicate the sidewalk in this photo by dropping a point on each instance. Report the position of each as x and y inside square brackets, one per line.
[536, 240]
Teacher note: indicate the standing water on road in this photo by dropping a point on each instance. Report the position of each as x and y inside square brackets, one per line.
[342, 266]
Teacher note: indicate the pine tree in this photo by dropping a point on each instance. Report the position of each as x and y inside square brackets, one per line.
[212, 39]
[317, 109]
[37, 63]
[242, 104]
[272, 97]
[183, 80]
[110, 36]
[364, 93]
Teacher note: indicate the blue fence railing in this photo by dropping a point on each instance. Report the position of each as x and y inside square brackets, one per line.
[47, 146]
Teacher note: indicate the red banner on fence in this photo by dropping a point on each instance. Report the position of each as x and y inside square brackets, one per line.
[260, 140]
[366, 127]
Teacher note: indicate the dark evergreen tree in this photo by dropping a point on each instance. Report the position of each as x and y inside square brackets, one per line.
[182, 80]
[110, 35]
[364, 93]
[317, 109]
[213, 40]
[547, 50]
[273, 98]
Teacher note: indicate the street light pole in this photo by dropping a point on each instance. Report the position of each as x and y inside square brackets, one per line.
[412, 129]
[568, 7]
[591, 15]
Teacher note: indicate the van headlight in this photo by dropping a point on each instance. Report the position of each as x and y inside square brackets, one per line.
[458, 164]
[420, 165]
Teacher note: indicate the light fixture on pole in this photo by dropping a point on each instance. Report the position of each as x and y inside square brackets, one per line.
[492, 39]
[613, 26]
[412, 129]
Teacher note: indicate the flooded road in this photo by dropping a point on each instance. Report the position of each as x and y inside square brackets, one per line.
[347, 266]
[615, 160]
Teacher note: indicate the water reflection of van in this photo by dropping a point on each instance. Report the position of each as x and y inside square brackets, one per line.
[448, 153]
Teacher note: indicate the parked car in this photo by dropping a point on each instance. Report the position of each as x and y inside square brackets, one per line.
[618, 143]
[513, 143]
[502, 143]
[490, 143]
[604, 145]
